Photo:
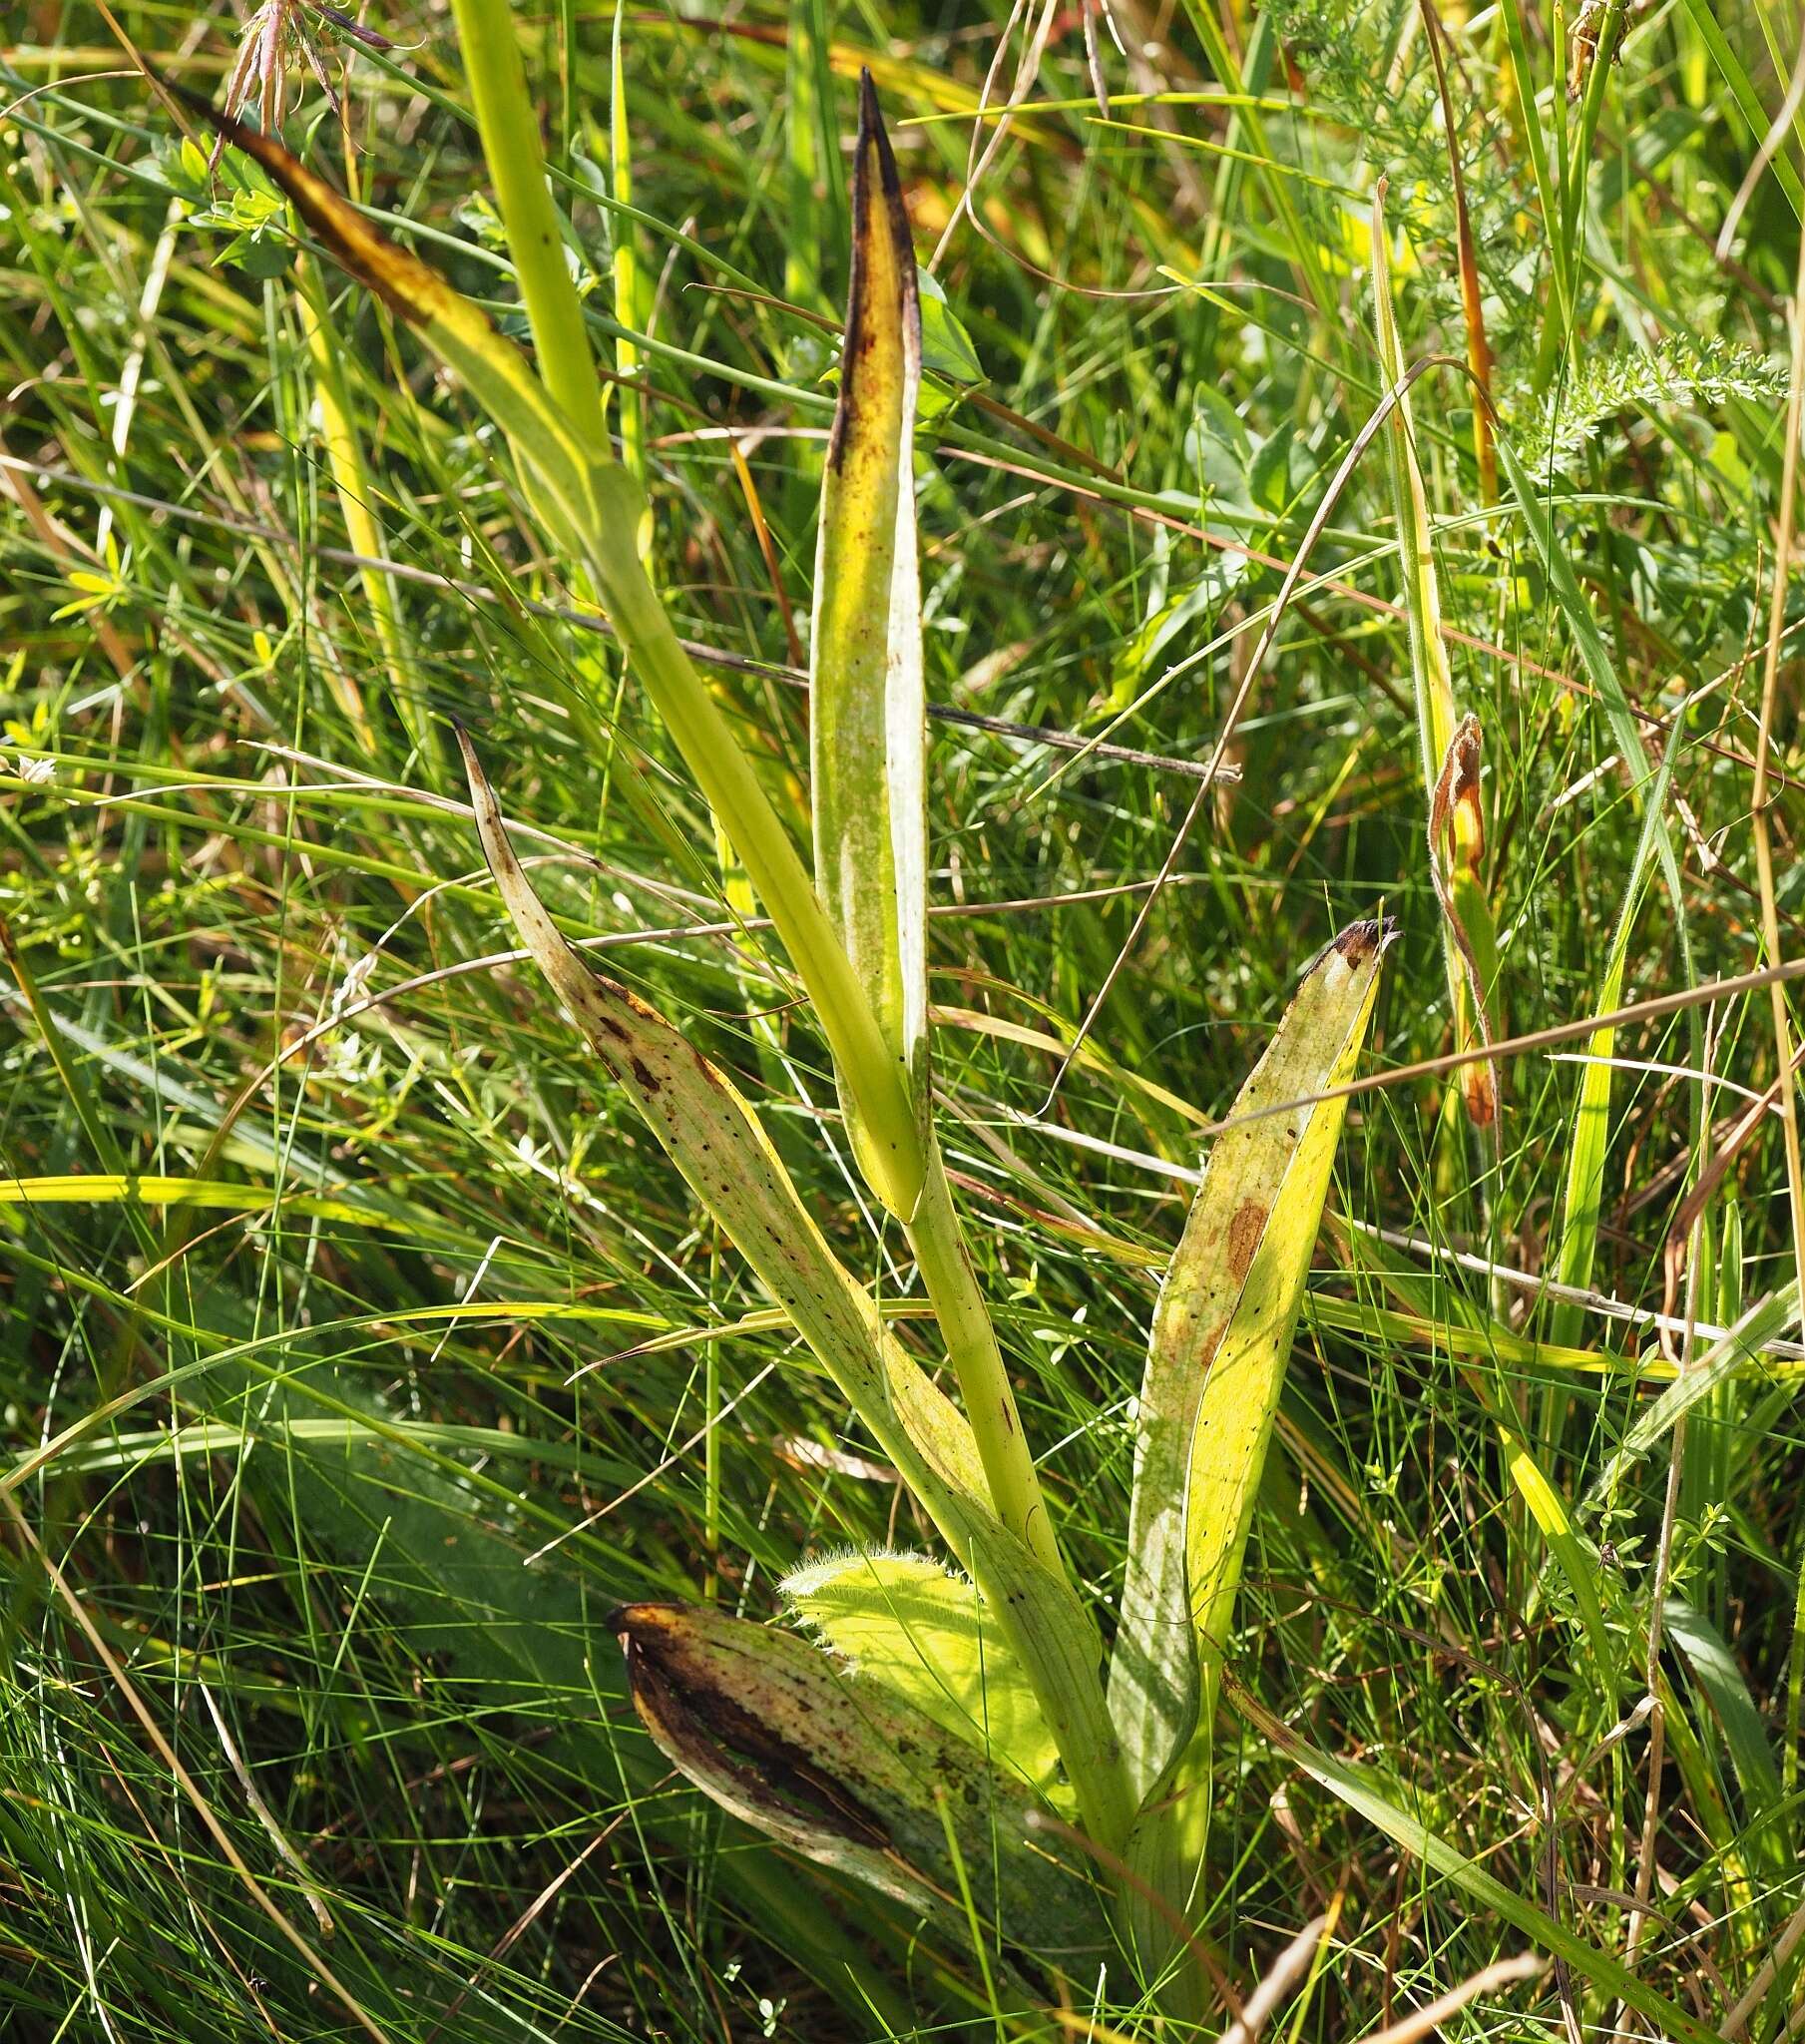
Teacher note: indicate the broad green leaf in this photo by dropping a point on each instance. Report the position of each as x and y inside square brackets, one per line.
[1221, 1336]
[1222, 577]
[867, 707]
[1383, 1803]
[1744, 1735]
[946, 347]
[903, 1622]
[853, 1775]
[400, 1517]
[716, 1140]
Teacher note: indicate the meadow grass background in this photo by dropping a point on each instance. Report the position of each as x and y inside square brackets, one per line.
[358, 1351]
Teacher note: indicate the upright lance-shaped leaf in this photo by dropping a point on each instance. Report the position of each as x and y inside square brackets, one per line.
[855, 1776]
[870, 824]
[1221, 1333]
[867, 706]
[594, 509]
[1221, 1336]
[716, 1140]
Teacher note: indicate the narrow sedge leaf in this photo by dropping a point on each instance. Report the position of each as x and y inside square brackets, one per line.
[854, 1777]
[357, 505]
[903, 1622]
[1221, 1335]
[1382, 1803]
[867, 706]
[1769, 1319]
[716, 1140]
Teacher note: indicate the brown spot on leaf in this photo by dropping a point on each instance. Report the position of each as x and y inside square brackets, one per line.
[1244, 1231]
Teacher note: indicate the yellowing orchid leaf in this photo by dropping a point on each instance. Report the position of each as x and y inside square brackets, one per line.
[904, 1622]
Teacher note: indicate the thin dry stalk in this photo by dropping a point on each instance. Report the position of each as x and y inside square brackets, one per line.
[1277, 1981]
[1478, 348]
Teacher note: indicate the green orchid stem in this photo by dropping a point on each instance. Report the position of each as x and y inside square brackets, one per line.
[984, 1387]
[508, 121]
[898, 1154]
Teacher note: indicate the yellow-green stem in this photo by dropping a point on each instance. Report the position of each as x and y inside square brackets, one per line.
[970, 1341]
[627, 311]
[356, 501]
[909, 1176]
[507, 123]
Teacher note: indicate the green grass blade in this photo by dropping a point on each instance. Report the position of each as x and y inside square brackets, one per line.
[1584, 1190]
[1744, 1735]
[1601, 670]
[1769, 1319]
[1579, 1562]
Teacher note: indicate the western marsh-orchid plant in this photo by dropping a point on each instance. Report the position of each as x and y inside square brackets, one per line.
[954, 1733]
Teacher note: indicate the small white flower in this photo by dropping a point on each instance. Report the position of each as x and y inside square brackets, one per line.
[349, 990]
